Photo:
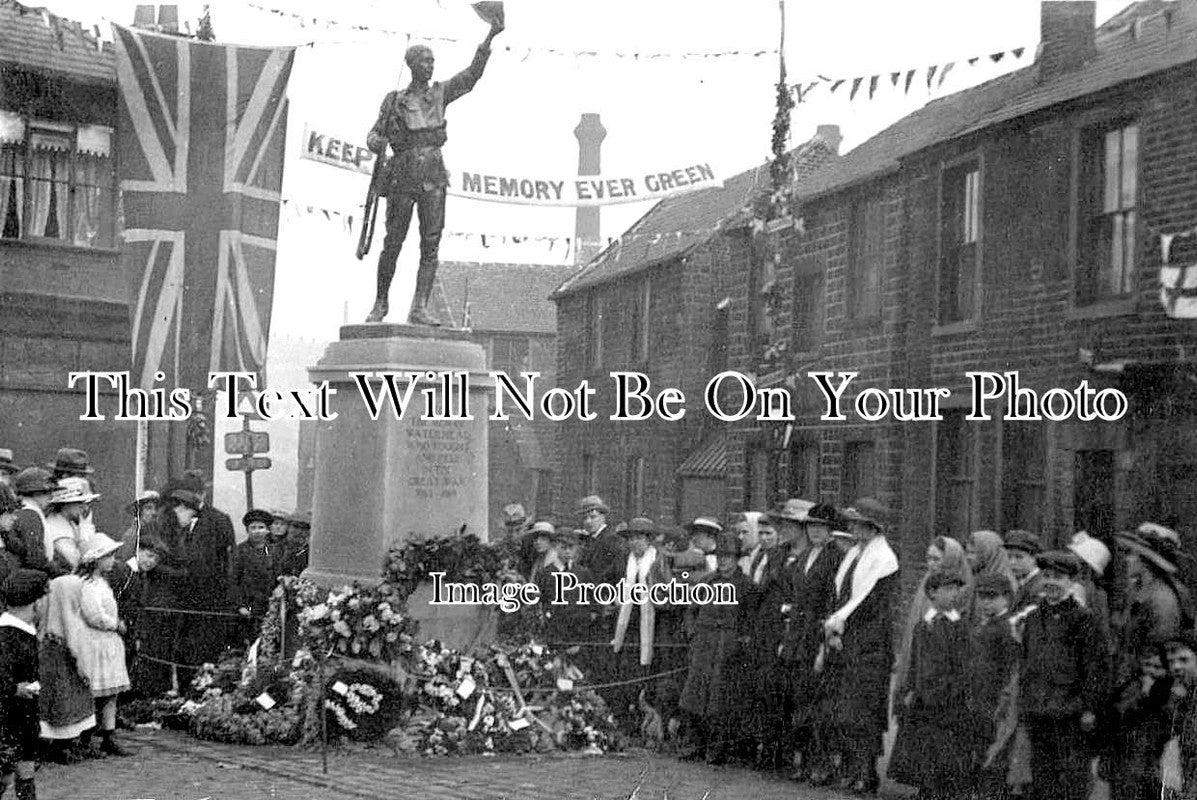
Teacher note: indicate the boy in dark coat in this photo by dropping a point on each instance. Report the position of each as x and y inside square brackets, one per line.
[992, 658]
[1062, 683]
[254, 573]
[932, 750]
[19, 684]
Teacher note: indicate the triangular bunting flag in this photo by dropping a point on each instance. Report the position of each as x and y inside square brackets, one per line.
[946, 69]
[873, 86]
[931, 76]
[996, 57]
[893, 78]
[837, 85]
[909, 80]
[855, 87]
[1018, 51]
[972, 62]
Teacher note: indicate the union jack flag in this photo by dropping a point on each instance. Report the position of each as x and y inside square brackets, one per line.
[200, 145]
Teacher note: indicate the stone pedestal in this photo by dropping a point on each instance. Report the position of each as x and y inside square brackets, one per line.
[378, 481]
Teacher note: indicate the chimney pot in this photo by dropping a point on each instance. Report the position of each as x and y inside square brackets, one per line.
[831, 136]
[1067, 35]
[143, 16]
[168, 19]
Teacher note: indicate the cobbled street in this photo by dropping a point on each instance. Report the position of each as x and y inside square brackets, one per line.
[172, 766]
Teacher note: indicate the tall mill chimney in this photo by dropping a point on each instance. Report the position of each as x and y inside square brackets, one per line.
[590, 134]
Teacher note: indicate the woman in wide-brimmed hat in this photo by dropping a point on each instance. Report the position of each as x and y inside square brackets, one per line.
[102, 656]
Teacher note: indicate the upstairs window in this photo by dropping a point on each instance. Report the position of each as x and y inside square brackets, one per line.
[509, 354]
[866, 255]
[959, 238]
[1107, 213]
[56, 182]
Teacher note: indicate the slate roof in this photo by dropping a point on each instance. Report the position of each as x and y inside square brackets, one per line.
[1147, 37]
[938, 121]
[676, 225]
[62, 46]
[1163, 39]
[505, 298]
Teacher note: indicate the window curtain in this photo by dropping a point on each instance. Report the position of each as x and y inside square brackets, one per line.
[12, 192]
[90, 176]
[48, 192]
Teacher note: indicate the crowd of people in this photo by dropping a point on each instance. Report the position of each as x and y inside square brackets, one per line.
[134, 615]
[1017, 669]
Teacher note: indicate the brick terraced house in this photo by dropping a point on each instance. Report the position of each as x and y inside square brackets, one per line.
[1012, 226]
[63, 295]
[658, 302]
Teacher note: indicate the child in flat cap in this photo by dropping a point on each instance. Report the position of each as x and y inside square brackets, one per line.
[19, 686]
[932, 749]
[1062, 682]
[254, 572]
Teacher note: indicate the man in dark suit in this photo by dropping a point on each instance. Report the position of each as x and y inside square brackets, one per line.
[811, 600]
[603, 553]
[202, 547]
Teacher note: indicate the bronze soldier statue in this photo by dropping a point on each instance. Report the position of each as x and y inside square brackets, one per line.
[412, 122]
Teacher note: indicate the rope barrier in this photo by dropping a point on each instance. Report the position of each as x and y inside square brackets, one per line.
[167, 663]
[198, 613]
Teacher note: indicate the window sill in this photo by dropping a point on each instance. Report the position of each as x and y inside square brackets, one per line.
[953, 328]
[1121, 307]
[54, 245]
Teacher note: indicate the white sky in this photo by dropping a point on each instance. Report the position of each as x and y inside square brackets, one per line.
[659, 113]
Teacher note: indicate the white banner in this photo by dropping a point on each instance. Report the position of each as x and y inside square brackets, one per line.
[538, 190]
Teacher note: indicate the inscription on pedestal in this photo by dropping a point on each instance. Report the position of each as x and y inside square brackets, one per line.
[445, 459]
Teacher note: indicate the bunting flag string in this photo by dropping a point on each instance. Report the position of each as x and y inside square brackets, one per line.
[349, 222]
[328, 23]
[935, 75]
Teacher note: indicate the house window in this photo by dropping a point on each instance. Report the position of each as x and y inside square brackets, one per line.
[640, 321]
[1093, 498]
[1024, 475]
[594, 338]
[1107, 217]
[859, 477]
[758, 480]
[589, 474]
[634, 487]
[808, 310]
[804, 469]
[955, 473]
[866, 255]
[56, 182]
[959, 237]
[509, 354]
